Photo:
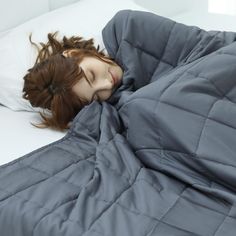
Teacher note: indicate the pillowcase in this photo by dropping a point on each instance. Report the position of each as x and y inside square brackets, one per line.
[85, 18]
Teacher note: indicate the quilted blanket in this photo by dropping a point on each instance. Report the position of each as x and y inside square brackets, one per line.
[157, 158]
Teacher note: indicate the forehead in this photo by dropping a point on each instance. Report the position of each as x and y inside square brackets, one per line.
[91, 62]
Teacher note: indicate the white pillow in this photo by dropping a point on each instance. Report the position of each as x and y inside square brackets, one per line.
[85, 18]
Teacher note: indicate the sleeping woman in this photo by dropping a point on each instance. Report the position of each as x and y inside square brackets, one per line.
[71, 73]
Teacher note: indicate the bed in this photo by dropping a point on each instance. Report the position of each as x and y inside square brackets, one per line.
[159, 162]
[15, 32]
[189, 12]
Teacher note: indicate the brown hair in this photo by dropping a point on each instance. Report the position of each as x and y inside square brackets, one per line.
[48, 84]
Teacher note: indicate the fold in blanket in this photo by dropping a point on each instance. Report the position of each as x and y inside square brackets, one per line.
[158, 158]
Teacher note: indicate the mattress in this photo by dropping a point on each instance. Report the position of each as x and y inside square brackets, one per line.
[18, 137]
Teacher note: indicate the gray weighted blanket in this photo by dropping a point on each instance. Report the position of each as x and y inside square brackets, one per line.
[158, 158]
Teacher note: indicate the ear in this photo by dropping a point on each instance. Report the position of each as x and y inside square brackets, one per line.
[65, 53]
[68, 52]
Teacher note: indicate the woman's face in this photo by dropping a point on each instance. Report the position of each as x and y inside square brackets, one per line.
[101, 79]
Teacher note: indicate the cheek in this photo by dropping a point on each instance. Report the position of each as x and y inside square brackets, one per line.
[82, 90]
[104, 95]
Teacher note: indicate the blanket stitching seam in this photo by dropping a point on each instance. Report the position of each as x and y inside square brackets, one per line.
[181, 108]
[37, 205]
[151, 55]
[35, 152]
[188, 66]
[167, 42]
[188, 172]
[136, 211]
[78, 156]
[73, 220]
[73, 163]
[185, 50]
[203, 206]
[64, 180]
[169, 85]
[170, 207]
[199, 140]
[191, 155]
[121, 42]
[222, 222]
[115, 171]
[47, 177]
[163, 52]
[197, 114]
[180, 196]
[52, 211]
[150, 183]
[201, 45]
[221, 93]
[126, 178]
[114, 201]
[173, 226]
[204, 125]
[102, 200]
[59, 215]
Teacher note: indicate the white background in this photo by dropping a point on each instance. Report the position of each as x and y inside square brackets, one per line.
[15, 12]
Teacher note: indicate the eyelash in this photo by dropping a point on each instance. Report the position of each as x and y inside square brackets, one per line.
[93, 79]
[93, 76]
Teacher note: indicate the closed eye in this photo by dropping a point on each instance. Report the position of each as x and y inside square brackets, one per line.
[92, 75]
[86, 77]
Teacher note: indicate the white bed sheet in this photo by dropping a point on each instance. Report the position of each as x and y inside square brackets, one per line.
[18, 137]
